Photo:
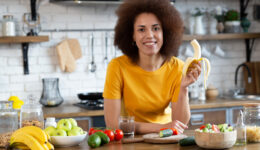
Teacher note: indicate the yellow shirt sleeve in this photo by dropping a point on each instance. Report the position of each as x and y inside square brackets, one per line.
[113, 84]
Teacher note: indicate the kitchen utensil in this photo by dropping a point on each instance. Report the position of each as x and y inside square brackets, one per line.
[106, 46]
[154, 138]
[215, 140]
[90, 96]
[92, 66]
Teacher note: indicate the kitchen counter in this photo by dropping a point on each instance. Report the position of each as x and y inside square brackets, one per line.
[147, 146]
[69, 110]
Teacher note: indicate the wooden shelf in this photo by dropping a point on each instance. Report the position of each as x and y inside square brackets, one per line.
[24, 39]
[229, 36]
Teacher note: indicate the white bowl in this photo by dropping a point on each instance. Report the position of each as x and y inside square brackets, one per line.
[66, 141]
[215, 140]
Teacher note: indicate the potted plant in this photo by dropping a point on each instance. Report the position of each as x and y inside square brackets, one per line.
[232, 22]
[198, 13]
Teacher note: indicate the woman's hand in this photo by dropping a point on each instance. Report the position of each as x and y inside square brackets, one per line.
[192, 75]
[176, 124]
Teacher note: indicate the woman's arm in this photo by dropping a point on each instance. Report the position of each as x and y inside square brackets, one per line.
[112, 109]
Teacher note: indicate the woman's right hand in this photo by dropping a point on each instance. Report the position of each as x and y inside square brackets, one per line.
[176, 124]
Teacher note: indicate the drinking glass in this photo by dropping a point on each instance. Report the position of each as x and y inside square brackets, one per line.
[127, 125]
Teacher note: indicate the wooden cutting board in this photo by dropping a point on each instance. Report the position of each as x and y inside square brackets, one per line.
[154, 138]
[254, 86]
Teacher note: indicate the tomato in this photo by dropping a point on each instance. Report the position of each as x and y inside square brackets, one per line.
[163, 129]
[118, 134]
[215, 128]
[97, 131]
[202, 127]
[110, 134]
[174, 131]
[90, 131]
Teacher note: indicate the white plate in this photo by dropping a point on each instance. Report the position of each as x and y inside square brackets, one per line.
[66, 141]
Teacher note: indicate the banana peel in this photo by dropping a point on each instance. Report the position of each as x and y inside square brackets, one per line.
[196, 59]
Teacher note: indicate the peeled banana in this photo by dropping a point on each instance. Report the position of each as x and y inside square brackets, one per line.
[196, 58]
[30, 137]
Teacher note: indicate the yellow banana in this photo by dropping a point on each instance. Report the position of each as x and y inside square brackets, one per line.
[27, 140]
[22, 146]
[196, 58]
[50, 146]
[45, 146]
[34, 131]
[48, 136]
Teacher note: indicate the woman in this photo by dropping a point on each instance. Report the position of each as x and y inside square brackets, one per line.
[148, 77]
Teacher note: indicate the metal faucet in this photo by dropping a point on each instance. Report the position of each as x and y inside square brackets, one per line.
[248, 71]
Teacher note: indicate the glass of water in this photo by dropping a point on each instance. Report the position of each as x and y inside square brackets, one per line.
[127, 125]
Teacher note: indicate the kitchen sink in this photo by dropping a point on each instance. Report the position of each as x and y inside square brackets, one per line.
[246, 97]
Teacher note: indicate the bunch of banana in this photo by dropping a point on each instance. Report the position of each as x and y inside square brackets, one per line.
[196, 58]
[30, 137]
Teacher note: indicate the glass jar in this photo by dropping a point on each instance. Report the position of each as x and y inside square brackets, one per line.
[252, 121]
[8, 26]
[31, 113]
[51, 94]
[8, 117]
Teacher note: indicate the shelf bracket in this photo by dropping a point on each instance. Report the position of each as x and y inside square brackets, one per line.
[243, 6]
[25, 48]
[249, 48]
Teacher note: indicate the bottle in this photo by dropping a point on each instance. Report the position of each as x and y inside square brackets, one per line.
[31, 113]
[8, 26]
[202, 95]
[50, 121]
[241, 129]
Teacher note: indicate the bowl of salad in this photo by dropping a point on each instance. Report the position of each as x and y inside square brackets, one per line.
[213, 136]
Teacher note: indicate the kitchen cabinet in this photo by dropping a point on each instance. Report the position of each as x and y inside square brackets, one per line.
[214, 116]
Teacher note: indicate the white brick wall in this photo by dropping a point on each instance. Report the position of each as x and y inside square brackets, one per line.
[43, 57]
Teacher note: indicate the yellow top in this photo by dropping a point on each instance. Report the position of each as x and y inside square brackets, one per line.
[146, 95]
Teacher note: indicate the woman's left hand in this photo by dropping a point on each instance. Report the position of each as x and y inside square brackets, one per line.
[192, 75]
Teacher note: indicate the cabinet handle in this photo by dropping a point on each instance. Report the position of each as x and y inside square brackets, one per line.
[197, 119]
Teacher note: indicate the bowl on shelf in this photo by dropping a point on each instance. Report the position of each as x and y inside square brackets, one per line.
[219, 140]
[66, 141]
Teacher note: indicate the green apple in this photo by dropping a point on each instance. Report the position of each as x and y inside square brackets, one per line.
[75, 131]
[59, 132]
[49, 130]
[64, 124]
[73, 122]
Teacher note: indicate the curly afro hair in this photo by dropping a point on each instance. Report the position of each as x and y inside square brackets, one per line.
[169, 17]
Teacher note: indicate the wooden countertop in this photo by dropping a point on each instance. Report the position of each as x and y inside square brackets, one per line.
[69, 110]
[147, 146]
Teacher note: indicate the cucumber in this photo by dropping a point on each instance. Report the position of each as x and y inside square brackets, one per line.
[187, 141]
[165, 133]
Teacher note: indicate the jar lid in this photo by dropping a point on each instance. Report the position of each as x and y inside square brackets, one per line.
[251, 105]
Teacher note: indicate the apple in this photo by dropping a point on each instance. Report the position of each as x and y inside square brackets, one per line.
[64, 124]
[59, 132]
[49, 130]
[75, 131]
[73, 122]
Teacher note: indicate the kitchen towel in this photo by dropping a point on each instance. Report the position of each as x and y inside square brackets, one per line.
[68, 52]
